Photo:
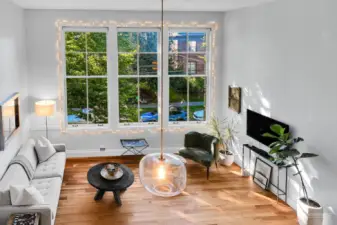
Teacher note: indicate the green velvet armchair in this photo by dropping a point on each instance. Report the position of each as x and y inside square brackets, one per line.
[200, 148]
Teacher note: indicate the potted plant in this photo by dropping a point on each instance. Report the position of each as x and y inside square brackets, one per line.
[225, 132]
[286, 155]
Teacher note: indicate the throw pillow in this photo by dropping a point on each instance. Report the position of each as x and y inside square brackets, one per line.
[44, 149]
[25, 195]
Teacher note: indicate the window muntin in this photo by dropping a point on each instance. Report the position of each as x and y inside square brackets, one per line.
[138, 76]
[86, 79]
[188, 74]
[137, 64]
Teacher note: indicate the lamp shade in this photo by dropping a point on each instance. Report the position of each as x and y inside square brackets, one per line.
[165, 177]
[45, 108]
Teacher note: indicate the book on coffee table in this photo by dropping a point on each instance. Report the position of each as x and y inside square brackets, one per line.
[24, 219]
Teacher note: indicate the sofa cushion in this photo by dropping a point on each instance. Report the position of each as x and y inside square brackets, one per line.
[22, 195]
[44, 149]
[28, 151]
[197, 155]
[50, 189]
[15, 175]
[53, 167]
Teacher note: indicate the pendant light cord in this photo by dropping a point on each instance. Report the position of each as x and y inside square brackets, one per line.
[162, 84]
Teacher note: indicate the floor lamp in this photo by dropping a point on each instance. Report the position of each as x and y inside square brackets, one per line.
[45, 108]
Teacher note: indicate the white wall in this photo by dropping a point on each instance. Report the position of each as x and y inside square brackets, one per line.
[13, 71]
[43, 77]
[283, 55]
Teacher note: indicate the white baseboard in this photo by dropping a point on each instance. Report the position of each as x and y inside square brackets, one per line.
[112, 152]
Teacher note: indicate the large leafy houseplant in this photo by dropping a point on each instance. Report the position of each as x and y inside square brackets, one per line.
[285, 154]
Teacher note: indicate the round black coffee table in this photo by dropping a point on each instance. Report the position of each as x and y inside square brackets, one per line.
[116, 186]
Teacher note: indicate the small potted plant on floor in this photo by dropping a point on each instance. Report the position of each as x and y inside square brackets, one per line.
[225, 132]
[285, 154]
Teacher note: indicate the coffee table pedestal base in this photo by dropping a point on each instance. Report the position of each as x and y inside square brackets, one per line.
[99, 195]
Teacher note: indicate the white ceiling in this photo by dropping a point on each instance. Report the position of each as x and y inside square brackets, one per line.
[139, 5]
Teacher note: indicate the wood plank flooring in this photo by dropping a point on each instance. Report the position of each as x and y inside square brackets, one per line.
[227, 198]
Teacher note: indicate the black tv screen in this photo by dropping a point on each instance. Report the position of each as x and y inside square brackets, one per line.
[258, 124]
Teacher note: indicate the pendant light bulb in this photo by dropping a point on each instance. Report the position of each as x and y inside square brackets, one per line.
[161, 172]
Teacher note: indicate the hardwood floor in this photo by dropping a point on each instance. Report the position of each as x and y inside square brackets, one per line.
[227, 198]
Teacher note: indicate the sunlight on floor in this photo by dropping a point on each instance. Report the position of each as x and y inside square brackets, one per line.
[224, 195]
[238, 173]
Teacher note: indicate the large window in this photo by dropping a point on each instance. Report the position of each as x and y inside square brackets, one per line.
[112, 76]
[86, 79]
[188, 75]
[138, 75]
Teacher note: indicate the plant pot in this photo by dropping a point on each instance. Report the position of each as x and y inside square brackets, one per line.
[226, 158]
[309, 214]
[219, 147]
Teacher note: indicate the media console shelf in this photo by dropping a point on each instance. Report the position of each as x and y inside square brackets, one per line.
[263, 154]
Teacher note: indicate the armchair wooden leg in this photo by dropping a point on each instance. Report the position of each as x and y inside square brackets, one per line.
[207, 173]
[216, 164]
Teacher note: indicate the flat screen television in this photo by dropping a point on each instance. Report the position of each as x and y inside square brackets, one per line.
[258, 124]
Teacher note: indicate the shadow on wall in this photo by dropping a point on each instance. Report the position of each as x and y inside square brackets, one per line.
[259, 103]
[318, 176]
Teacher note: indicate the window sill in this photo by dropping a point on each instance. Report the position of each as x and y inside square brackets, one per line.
[188, 124]
[137, 125]
[121, 127]
[87, 127]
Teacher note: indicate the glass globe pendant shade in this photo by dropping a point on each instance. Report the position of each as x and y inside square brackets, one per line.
[163, 177]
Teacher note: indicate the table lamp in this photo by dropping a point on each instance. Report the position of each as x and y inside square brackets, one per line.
[45, 108]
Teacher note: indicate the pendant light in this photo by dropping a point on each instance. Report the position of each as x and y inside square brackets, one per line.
[162, 174]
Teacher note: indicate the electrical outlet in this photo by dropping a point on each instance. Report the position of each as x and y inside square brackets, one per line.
[102, 148]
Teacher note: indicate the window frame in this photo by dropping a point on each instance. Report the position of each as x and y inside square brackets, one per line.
[138, 76]
[65, 77]
[113, 76]
[207, 74]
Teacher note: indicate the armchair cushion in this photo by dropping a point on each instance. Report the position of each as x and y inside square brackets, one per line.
[192, 140]
[207, 142]
[197, 155]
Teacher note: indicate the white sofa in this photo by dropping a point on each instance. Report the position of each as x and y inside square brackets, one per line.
[47, 179]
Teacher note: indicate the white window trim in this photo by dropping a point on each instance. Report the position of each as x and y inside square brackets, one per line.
[68, 126]
[112, 79]
[207, 76]
[158, 76]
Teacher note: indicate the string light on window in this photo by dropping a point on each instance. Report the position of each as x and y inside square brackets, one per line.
[105, 23]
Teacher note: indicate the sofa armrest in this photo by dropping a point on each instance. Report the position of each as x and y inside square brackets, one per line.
[46, 214]
[60, 147]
